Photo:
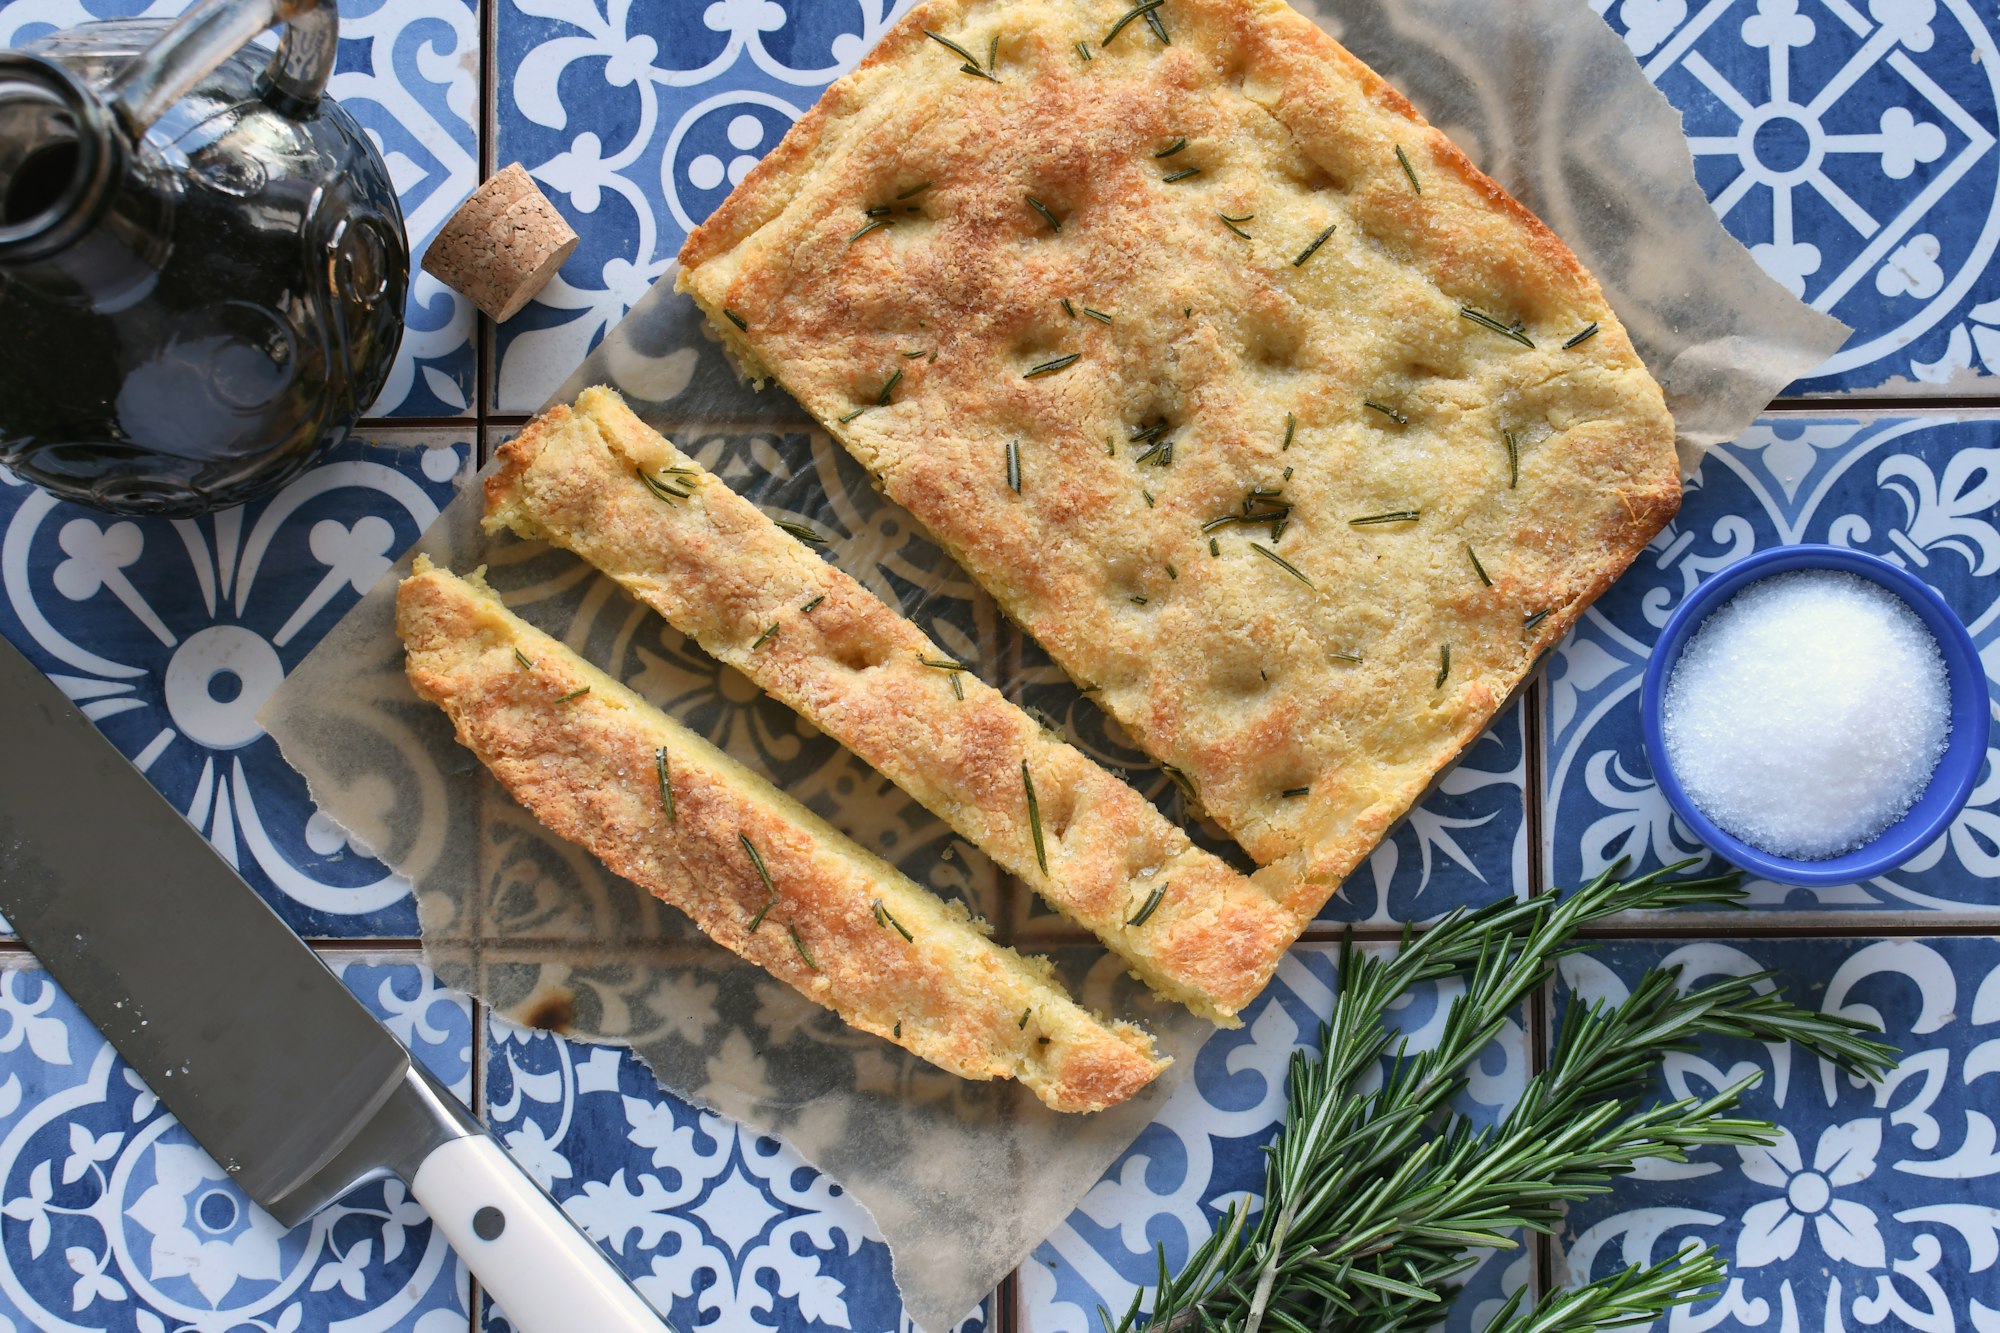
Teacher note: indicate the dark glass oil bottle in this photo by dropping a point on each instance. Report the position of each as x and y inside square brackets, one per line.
[202, 262]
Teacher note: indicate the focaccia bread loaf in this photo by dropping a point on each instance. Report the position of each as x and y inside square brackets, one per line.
[758, 872]
[600, 482]
[1231, 378]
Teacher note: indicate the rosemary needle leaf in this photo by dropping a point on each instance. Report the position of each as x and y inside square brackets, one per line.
[1444, 665]
[1589, 332]
[887, 921]
[1231, 222]
[1150, 906]
[1014, 466]
[1083, 49]
[666, 787]
[1159, 28]
[800, 945]
[1051, 367]
[1291, 424]
[1318, 241]
[1173, 147]
[1097, 315]
[1513, 459]
[1486, 321]
[1047, 216]
[1478, 568]
[1138, 600]
[882, 398]
[842, 421]
[802, 532]
[1214, 547]
[1393, 516]
[914, 191]
[874, 224]
[1386, 411]
[757, 860]
[1180, 175]
[813, 603]
[1068, 309]
[574, 694]
[977, 72]
[522, 658]
[1140, 10]
[1346, 657]
[954, 47]
[993, 52]
[662, 490]
[1282, 563]
[1293, 793]
[1528, 622]
[1409, 170]
[1034, 817]
[735, 319]
[758, 919]
[765, 637]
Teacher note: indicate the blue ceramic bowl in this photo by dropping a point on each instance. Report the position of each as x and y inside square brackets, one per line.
[1957, 772]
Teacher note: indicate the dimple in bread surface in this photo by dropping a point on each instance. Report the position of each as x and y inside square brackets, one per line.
[581, 752]
[804, 631]
[1161, 214]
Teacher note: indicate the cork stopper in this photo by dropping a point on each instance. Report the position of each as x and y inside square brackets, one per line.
[502, 245]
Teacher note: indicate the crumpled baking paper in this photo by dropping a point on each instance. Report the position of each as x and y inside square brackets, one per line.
[962, 1179]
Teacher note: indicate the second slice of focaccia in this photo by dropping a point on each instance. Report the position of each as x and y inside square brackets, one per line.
[1232, 379]
[759, 873]
[600, 482]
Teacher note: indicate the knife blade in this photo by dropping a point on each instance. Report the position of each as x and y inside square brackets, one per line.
[243, 1033]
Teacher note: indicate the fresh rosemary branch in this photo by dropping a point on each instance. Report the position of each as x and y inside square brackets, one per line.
[1368, 1207]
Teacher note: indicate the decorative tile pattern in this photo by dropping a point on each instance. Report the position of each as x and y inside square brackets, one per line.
[115, 1220]
[719, 1228]
[1874, 1206]
[409, 73]
[1205, 1151]
[170, 634]
[1921, 491]
[1852, 146]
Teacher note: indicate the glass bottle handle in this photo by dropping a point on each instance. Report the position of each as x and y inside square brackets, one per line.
[209, 34]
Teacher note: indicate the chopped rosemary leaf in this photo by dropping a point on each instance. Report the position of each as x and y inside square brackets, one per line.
[1318, 241]
[1291, 424]
[1083, 49]
[914, 355]
[1163, 449]
[813, 603]
[885, 919]
[574, 694]
[1345, 657]
[1150, 906]
[758, 919]
[1293, 793]
[1478, 568]
[802, 532]
[1023, 1024]
[1173, 147]
[1138, 599]
[1147, 496]
[958, 687]
[1014, 466]
[1097, 315]
[1139, 10]
[1529, 622]
[1513, 459]
[1283, 564]
[842, 421]
[993, 52]
[882, 398]
[1386, 411]
[1231, 222]
[1172, 573]
[1486, 321]
[1068, 309]
[879, 211]
[765, 637]
[1214, 547]
[666, 787]
[1444, 664]
[735, 319]
[800, 945]
[954, 47]
[1047, 216]
[1288, 474]
[1589, 332]
[757, 860]
[522, 658]
[1409, 170]
[1159, 28]
[1034, 817]
[875, 224]
[662, 490]
[1180, 175]
[1393, 516]
[1051, 367]
[914, 191]
[977, 72]
[1181, 780]
[942, 663]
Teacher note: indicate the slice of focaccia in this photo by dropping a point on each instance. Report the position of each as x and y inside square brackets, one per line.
[758, 872]
[600, 482]
[1234, 381]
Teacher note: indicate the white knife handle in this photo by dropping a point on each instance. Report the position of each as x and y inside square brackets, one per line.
[547, 1276]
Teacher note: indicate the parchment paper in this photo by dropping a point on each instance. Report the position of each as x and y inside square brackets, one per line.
[963, 1179]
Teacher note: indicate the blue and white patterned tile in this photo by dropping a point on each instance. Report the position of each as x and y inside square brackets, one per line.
[409, 73]
[1851, 145]
[719, 1228]
[1205, 1152]
[638, 122]
[116, 1221]
[170, 635]
[1923, 491]
[1874, 1206]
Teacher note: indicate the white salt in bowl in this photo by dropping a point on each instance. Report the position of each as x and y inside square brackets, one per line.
[1951, 782]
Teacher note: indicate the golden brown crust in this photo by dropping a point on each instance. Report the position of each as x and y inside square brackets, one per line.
[723, 573]
[585, 765]
[1228, 667]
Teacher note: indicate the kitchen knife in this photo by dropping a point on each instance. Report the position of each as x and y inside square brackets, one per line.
[244, 1034]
